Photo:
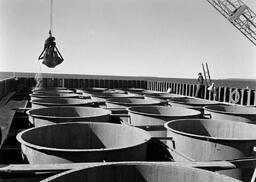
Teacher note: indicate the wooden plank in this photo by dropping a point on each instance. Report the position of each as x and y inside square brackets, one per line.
[6, 117]
[4, 100]
[14, 132]
[10, 147]
[244, 163]
[26, 168]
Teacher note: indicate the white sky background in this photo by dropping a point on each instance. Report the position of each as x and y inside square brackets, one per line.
[164, 38]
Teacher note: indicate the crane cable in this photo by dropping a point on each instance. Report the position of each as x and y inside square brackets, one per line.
[51, 16]
[50, 54]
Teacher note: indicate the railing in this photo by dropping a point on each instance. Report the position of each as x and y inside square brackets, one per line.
[86, 83]
[221, 94]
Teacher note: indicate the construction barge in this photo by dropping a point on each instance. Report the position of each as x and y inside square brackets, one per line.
[131, 129]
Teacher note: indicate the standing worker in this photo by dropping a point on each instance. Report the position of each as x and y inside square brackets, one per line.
[200, 86]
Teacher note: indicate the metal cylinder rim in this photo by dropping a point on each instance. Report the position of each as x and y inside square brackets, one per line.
[106, 112]
[130, 109]
[136, 89]
[207, 108]
[69, 95]
[166, 125]
[206, 102]
[149, 101]
[52, 91]
[117, 95]
[82, 102]
[23, 142]
[178, 167]
[50, 88]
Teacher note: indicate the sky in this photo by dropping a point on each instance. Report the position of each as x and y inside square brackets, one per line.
[163, 38]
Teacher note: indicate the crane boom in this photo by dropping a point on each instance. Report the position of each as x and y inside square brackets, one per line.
[239, 14]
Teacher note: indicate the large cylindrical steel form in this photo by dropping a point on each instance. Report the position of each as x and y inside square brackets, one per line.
[152, 118]
[162, 95]
[61, 89]
[55, 115]
[56, 95]
[83, 142]
[122, 95]
[129, 102]
[192, 103]
[139, 172]
[51, 102]
[98, 101]
[114, 91]
[208, 139]
[234, 113]
[151, 92]
[135, 90]
[53, 91]
[95, 89]
[104, 91]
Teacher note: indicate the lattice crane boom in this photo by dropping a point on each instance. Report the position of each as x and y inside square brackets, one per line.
[239, 14]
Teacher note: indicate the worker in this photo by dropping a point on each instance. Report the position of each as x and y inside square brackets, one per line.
[200, 86]
[50, 54]
[213, 89]
[39, 80]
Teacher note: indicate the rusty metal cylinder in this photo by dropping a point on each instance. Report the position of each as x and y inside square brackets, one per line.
[232, 112]
[55, 115]
[208, 140]
[152, 118]
[128, 172]
[51, 102]
[83, 142]
[130, 102]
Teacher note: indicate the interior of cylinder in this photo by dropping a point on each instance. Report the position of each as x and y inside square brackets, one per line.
[233, 109]
[95, 99]
[215, 128]
[164, 95]
[85, 136]
[141, 173]
[60, 101]
[49, 88]
[69, 112]
[195, 101]
[53, 94]
[110, 95]
[96, 89]
[151, 92]
[53, 91]
[113, 91]
[136, 89]
[164, 111]
[133, 101]
[114, 95]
